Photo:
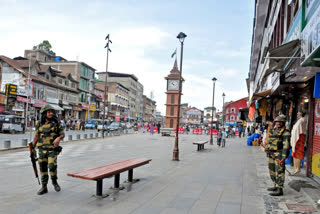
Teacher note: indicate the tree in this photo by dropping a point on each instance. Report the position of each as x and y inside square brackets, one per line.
[45, 45]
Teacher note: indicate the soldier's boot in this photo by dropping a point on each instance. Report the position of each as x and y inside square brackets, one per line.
[278, 192]
[272, 189]
[43, 190]
[56, 186]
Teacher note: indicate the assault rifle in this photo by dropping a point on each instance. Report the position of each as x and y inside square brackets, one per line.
[33, 161]
[273, 157]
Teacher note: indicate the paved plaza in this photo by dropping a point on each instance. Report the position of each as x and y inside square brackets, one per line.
[215, 180]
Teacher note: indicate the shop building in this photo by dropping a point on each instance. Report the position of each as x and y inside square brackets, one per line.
[284, 67]
[232, 112]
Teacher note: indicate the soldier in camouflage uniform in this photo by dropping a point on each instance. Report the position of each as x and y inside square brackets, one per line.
[278, 147]
[47, 137]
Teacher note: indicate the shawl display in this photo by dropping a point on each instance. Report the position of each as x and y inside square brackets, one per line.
[298, 128]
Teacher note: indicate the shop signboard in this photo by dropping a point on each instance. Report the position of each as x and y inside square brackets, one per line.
[25, 100]
[3, 99]
[76, 108]
[39, 103]
[52, 100]
[310, 37]
[11, 89]
[92, 106]
[21, 92]
[85, 106]
[295, 30]
[316, 91]
[316, 140]
[117, 116]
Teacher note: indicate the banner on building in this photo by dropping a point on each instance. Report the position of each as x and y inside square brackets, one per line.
[85, 106]
[117, 116]
[316, 140]
[29, 88]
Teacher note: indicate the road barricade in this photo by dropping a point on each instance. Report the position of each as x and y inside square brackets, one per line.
[181, 130]
[194, 131]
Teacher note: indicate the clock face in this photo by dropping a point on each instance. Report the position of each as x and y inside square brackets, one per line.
[173, 84]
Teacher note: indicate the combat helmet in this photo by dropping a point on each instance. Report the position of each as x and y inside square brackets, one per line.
[46, 108]
[280, 118]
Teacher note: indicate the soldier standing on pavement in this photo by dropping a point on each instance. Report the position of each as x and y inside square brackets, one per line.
[278, 147]
[47, 137]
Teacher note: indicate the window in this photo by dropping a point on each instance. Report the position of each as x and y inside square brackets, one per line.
[73, 85]
[232, 118]
[171, 111]
[60, 81]
[171, 123]
[66, 83]
[83, 84]
[61, 96]
[232, 109]
[172, 99]
[84, 71]
[47, 76]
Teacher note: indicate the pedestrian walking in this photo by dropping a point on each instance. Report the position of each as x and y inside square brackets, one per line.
[47, 137]
[219, 135]
[298, 134]
[223, 137]
[159, 126]
[151, 128]
[277, 148]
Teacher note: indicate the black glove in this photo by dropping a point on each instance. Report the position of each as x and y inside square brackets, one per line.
[58, 149]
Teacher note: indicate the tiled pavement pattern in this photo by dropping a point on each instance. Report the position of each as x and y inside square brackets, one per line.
[216, 180]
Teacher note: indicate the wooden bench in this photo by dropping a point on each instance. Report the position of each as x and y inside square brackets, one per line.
[200, 144]
[166, 131]
[109, 170]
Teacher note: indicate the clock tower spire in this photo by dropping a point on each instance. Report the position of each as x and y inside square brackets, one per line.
[172, 96]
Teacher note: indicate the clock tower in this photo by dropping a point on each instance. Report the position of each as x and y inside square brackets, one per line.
[172, 96]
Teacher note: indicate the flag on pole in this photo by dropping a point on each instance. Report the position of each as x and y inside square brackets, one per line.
[174, 53]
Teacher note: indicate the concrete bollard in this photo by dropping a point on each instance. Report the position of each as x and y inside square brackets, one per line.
[85, 136]
[7, 144]
[24, 142]
[78, 136]
[97, 134]
[70, 137]
[91, 135]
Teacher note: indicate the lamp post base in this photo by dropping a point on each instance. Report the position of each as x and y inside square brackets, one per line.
[175, 156]
[211, 141]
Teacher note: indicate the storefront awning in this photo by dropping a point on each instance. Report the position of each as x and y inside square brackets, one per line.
[260, 95]
[56, 107]
[279, 56]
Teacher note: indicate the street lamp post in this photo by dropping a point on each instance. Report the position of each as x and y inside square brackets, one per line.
[27, 116]
[181, 36]
[105, 95]
[214, 85]
[223, 119]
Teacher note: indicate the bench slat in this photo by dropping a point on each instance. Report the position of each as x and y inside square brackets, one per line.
[110, 169]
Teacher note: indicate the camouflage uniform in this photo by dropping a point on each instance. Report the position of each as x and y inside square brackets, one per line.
[47, 133]
[278, 145]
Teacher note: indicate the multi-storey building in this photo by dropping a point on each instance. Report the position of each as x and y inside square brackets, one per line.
[149, 109]
[232, 111]
[129, 81]
[84, 74]
[284, 72]
[208, 114]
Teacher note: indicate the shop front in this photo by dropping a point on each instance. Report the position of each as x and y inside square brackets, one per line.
[38, 104]
[76, 109]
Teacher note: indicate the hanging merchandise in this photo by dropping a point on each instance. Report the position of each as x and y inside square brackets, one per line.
[252, 110]
[263, 107]
[279, 105]
[291, 108]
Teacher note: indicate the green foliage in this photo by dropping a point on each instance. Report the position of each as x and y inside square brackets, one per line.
[45, 45]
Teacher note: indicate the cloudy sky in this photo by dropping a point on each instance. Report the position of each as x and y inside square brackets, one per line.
[143, 33]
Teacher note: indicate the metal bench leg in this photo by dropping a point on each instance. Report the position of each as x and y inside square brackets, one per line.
[117, 181]
[99, 187]
[130, 175]
[199, 147]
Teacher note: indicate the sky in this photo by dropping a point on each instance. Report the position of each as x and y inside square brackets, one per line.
[143, 34]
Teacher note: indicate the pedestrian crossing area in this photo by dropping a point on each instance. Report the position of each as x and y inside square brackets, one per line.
[70, 151]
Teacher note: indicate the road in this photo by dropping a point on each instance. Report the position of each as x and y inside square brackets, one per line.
[216, 180]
